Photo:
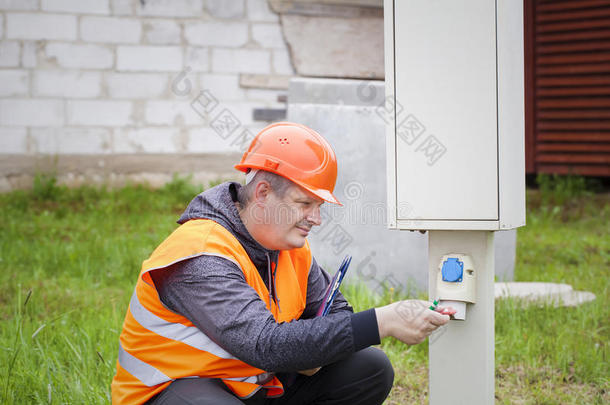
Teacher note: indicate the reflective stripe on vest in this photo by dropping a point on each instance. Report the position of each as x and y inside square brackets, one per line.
[189, 335]
[150, 376]
[144, 372]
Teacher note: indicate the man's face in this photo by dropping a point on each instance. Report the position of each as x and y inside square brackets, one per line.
[288, 220]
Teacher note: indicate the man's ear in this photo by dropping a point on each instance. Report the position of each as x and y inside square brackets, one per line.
[262, 191]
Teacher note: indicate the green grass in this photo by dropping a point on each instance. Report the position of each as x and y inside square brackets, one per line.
[76, 254]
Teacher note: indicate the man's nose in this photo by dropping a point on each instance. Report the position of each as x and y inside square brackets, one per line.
[314, 216]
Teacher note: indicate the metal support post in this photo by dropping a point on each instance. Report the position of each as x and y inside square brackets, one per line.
[462, 353]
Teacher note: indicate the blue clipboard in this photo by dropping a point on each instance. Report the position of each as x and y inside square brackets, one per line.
[333, 287]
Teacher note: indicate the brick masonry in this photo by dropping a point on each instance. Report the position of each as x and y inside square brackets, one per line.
[106, 77]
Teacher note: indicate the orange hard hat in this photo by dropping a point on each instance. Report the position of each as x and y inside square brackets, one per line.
[297, 153]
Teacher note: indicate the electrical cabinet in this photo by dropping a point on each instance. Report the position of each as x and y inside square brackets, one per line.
[455, 112]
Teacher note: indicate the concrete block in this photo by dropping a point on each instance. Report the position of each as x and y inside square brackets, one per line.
[170, 8]
[282, 64]
[223, 87]
[10, 51]
[258, 10]
[225, 34]
[13, 141]
[80, 56]
[77, 6]
[136, 85]
[162, 32]
[31, 113]
[268, 35]
[110, 29]
[197, 59]
[147, 140]
[29, 54]
[14, 83]
[353, 46]
[19, 5]
[241, 61]
[225, 9]
[122, 7]
[174, 112]
[99, 112]
[64, 83]
[40, 26]
[149, 58]
[75, 141]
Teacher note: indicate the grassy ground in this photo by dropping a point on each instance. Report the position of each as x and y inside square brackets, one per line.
[69, 258]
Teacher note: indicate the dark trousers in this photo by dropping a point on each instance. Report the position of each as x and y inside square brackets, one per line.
[363, 378]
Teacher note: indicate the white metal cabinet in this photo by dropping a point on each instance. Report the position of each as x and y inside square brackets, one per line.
[454, 103]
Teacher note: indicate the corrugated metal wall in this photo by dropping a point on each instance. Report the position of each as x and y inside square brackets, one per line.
[567, 80]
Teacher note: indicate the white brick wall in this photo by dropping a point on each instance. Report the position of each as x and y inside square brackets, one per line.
[13, 140]
[223, 87]
[170, 8]
[10, 52]
[122, 7]
[206, 140]
[225, 9]
[96, 76]
[281, 62]
[146, 140]
[99, 113]
[68, 55]
[227, 34]
[29, 54]
[268, 35]
[197, 59]
[241, 61]
[65, 83]
[40, 26]
[258, 10]
[77, 6]
[110, 30]
[31, 113]
[136, 85]
[14, 83]
[149, 58]
[19, 4]
[177, 113]
[162, 32]
[71, 140]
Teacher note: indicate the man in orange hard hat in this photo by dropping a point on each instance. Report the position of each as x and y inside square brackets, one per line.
[224, 309]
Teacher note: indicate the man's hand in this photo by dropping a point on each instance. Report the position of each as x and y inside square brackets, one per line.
[410, 321]
[310, 372]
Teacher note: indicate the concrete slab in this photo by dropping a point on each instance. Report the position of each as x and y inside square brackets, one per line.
[538, 293]
[353, 47]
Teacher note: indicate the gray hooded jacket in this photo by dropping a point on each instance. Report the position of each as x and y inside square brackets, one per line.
[212, 293]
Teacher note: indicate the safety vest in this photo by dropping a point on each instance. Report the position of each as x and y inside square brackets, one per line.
[158, 346]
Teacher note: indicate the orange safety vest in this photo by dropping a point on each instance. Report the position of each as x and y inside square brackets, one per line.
[158, 346]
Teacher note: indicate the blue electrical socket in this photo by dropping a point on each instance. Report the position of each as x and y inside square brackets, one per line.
[452, 270]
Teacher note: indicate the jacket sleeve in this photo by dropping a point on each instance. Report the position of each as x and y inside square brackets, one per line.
[213, 294]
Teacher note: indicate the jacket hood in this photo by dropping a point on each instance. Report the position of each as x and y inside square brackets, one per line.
[218, 205]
